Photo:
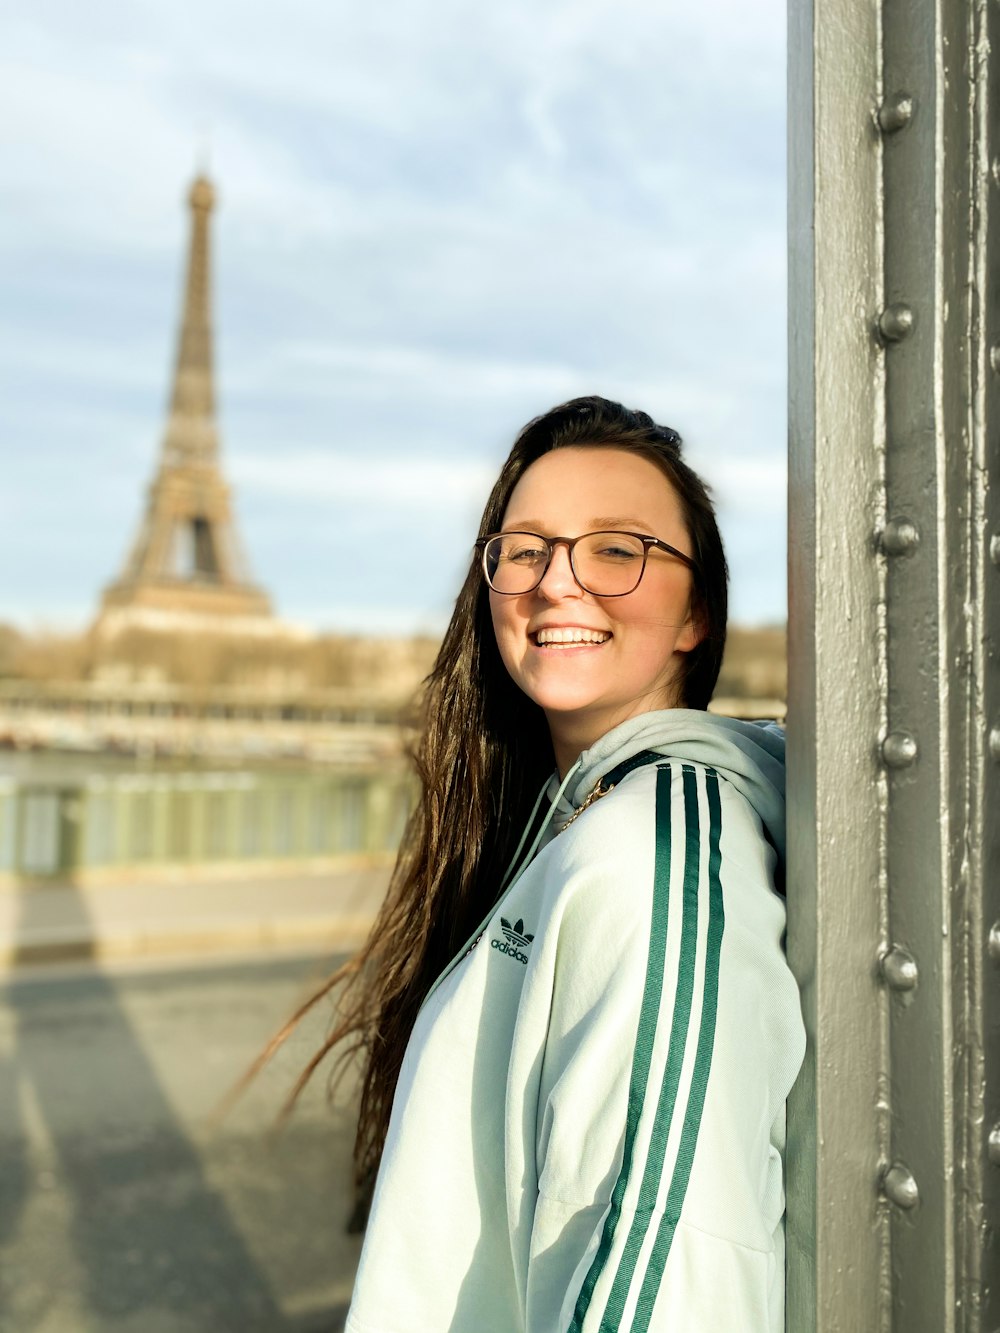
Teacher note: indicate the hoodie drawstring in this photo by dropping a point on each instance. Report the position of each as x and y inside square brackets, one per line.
[509, 878]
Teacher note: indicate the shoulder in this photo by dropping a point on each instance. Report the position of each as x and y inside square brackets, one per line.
[653, 806]
[667, 825]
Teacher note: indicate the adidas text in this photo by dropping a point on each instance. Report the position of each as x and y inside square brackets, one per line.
[504, 946]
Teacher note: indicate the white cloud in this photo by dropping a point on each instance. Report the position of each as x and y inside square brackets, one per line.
[754, 487]
[409, 367]
[312, 476]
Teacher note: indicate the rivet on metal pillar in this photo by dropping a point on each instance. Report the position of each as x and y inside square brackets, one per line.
[896, 322]
[895, 113]
[899, 749]
[900, 536]
[898, 968]
[899, 1186]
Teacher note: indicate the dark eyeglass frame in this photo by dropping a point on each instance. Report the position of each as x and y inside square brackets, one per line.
[648, 542]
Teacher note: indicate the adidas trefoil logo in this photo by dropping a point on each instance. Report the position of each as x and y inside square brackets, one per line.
[515, 933]
[514, 940]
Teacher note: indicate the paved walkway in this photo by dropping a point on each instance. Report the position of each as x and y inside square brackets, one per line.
[328, 911]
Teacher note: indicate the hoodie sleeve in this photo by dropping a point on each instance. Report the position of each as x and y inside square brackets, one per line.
[673, 1036]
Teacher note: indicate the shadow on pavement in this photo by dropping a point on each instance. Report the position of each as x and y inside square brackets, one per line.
[153, 1241]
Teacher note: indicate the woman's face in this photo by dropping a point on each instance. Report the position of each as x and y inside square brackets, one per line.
[585, 689]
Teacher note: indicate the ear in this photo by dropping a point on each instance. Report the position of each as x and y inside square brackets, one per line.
[695, 629]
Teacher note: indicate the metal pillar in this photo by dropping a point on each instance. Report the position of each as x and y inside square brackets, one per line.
[894, 683]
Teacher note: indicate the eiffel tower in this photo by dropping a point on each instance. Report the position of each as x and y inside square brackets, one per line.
[186, 568]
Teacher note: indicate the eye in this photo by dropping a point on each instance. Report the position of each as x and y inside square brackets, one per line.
[524, 550]
[619, 551]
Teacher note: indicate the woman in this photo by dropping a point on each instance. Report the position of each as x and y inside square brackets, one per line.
[584, 968]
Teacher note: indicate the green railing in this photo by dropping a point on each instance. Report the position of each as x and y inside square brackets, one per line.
[122, 823]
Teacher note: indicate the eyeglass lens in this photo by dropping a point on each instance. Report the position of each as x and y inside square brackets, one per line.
[605, 563]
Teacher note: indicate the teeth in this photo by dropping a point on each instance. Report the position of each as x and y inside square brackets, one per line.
[572, 635]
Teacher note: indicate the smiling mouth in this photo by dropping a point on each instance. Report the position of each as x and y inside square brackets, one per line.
[569, 638]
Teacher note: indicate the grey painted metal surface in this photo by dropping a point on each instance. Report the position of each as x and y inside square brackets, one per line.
[837, 1135]
[894, 834]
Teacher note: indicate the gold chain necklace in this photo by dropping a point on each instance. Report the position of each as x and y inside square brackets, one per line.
[595, 795]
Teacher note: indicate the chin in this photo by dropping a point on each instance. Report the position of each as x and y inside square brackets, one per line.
[563, 703]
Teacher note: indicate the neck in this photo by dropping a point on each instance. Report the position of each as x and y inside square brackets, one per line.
[572, 733]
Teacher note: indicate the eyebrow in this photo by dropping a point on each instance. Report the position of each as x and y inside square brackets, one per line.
[617, 522]
[600, 524]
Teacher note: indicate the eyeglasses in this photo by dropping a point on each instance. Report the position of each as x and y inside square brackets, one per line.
[605, 564]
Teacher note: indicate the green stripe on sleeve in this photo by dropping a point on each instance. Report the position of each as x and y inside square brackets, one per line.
[703, 1063]
[683, 995]
[644, 1040]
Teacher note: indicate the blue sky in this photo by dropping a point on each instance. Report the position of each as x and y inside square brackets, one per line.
[435, 221]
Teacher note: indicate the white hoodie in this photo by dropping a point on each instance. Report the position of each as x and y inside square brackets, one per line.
[589, 1125]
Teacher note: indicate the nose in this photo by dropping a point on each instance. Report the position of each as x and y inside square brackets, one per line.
[559, 581]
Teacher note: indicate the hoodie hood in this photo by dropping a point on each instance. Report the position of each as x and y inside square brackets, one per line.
[750, 755]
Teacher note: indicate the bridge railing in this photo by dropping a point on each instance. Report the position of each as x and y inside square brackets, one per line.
[120, 825]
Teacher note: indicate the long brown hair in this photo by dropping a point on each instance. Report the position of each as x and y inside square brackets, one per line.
[483, 753]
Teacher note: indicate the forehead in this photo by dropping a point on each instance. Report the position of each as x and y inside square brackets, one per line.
[570, 488]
